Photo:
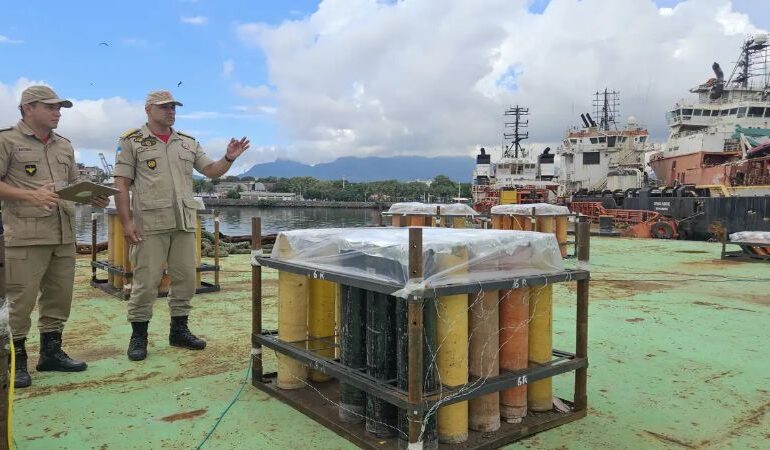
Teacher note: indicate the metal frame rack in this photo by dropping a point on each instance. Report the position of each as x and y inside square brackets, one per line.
[747, 253]
[106, 286]
[314, 402]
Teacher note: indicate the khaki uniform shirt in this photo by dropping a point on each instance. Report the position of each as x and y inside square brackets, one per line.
[28, 163]
[162, 186]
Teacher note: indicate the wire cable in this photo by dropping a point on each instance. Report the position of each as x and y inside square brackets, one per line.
[229, 405]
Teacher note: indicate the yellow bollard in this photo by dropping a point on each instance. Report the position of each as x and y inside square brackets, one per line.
[540, 393]
[320, 321]
[111, 218]
[562, 223]
[121, 247]
[452, 354]
[293, 291]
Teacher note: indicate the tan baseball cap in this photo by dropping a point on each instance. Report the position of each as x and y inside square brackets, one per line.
[161, 98]
[42, 94]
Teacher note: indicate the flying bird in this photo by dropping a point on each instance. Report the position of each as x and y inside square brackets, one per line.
[104, 44]
[179, 84]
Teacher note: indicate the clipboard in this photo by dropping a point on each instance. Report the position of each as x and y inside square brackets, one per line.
[84, 191]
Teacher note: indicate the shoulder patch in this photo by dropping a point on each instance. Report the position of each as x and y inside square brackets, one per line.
[185, 135]
[59, 135]
[131, 132]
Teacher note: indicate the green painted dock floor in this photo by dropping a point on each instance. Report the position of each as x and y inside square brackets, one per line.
[678, 350]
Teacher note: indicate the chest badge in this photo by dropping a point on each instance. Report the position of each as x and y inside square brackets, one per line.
[31, 169]
[148, 142]
[152, 164]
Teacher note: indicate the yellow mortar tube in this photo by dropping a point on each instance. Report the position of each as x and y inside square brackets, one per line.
[514, 330]
[497, 222]
[452, 350]
[562, 223]
[540, 393]
[395, 220]
[458, 222]
[293, 292]
[416, 221]
[320, 321]
[484, 362]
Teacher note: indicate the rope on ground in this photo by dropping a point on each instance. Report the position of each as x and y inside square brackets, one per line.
[229, 405]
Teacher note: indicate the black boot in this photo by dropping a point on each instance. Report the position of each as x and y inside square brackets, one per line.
[137, 346]
[180, 335]
[22, 378]
[53, 358]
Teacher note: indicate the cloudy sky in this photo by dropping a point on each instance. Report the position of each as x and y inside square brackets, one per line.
[313, 81]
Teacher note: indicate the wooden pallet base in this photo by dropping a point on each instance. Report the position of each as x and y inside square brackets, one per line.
[313, 401]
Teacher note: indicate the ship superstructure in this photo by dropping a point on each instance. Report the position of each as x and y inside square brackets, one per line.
[722, 139]
[599, 156]
[526, 175]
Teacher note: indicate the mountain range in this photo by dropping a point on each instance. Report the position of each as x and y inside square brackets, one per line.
[402, 168]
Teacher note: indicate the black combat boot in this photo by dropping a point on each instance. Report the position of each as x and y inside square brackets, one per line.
[53, 358]
[180, 335]
[137, 346]
[22, 378]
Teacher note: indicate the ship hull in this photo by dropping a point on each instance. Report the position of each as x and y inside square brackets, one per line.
[699, 218]
[711, 168]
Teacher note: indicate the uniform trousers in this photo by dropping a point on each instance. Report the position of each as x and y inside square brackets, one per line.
[174, 250]
[44, 274]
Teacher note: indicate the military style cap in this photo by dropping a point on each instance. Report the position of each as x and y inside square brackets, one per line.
[42, 94]
[161, 98]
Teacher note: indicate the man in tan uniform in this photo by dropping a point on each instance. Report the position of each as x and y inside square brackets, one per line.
[39, 229]
[155, 163]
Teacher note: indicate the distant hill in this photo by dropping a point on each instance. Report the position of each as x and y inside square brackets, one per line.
[402, 168]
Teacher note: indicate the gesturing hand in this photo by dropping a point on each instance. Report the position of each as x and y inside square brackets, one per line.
[235, 148]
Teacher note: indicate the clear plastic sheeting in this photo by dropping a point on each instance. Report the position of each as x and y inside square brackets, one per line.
[450, 256]
[541, 209]
[752, 237]
[429, 209]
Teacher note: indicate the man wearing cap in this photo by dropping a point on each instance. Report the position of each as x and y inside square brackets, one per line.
[155, 163]
[39, 229]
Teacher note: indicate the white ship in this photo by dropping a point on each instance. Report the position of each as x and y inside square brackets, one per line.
[723, 139]
[526, 176]
[603, 156]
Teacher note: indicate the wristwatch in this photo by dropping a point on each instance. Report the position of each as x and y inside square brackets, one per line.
[228, 159]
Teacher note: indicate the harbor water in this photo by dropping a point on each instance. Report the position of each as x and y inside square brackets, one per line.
[236, 220]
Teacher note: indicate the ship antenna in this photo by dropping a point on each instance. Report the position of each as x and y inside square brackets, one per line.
[606, 106]
[514, 120]
[751, 62]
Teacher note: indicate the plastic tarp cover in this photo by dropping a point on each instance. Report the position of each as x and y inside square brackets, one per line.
[753, 237]
[541, 209]
[451, 256]
[429, 209]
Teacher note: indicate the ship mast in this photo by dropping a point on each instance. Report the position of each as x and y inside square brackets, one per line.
[752, 62]
[511, 141]
[606, 105]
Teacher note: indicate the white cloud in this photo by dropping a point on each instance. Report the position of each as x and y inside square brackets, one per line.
[666, 11]
[215, 148]
[252, 92]
[359, 77]
[228, 67]
[93, 125]
[194, 20]
[7, 40]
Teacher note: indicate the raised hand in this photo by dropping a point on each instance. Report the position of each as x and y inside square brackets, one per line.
[235, 148]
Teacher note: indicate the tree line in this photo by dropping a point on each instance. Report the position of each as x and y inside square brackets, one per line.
[440, 189]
